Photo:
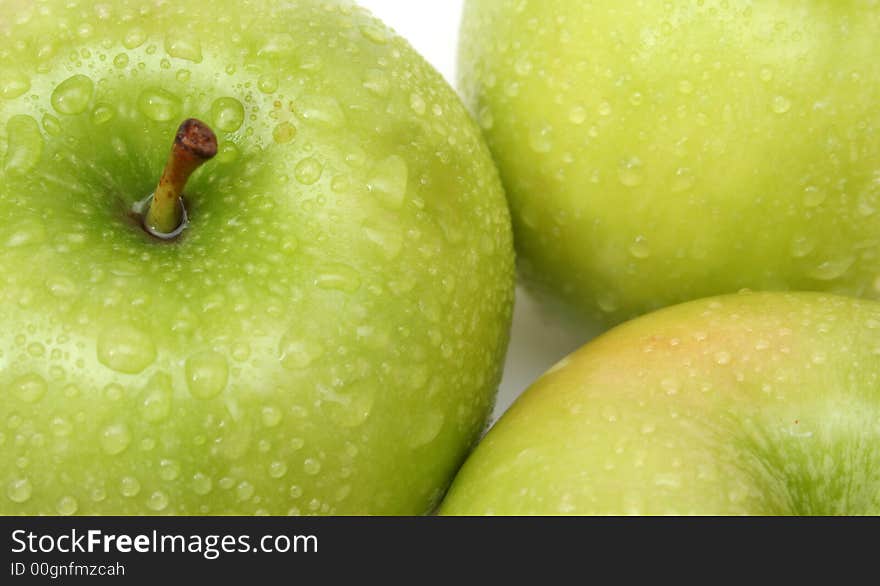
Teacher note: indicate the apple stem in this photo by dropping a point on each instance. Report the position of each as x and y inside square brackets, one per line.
[194, 144]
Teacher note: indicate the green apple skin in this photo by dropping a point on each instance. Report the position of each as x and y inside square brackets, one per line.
[744, 404]
[328, 334]
[659, 152]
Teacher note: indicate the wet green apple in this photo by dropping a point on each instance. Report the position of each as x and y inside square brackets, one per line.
[658, 152]
[326, 334]
[744, 404]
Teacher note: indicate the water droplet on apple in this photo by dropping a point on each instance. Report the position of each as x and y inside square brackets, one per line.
[157, 501]
[605, 109]
[66, 506]
[577, 115]
[129, 486]
[202, 484]
[29, 388]
[295, 491]
[134, 38]
[158, 104]
[228, 114]
[388, 181]
[244, 491]
[60, 427]
[832, 269]
[308, 171]
[338, 277]
[19, 490]
[781, 104]
[183, 45]
[284, 133]
[267, 83]
[296, 353]
[277, 469]
[630, 172]
[321, 109]
[801, 246]
[73, 95]
[121, 60]
[377, 82]
[14, 85]
[115, 439]
[206, 374]
[541, 139]
[311, 466]
[814, 196]
[227, 153]
[683, 180]
[271, 416]
[639, 248]
[169, 469]
[51, 125]
[387, 235]
[24, 144]
[417, 103]
[428, 429]
[156, 404]
[125, 349]
[766, 74]
[102, 113]
[375, 33]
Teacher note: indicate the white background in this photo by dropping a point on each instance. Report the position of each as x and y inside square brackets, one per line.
[538, 340]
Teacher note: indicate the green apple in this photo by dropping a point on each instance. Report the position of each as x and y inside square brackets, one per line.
[658, 152]
[325, 336]
[745, 404]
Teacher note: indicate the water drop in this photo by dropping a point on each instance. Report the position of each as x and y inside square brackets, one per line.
[541, 139]
[386, 235]
[417, 103]
[388, 181]
[158, 104]
[51, 125]
[121, 60]
[271, 416]
[267, 83]
[206, 374]
[781, 104]
[639, 248]
[832, 269]
[244, 491]
[115, 439]
[801, 246]
[169, 470]
[284, 133]
[134, 38]
[156, 404]
[377, 82]
[228, 114]
[375, 33]
[102, 113]
[338, 277]
[157, 501]
[14, 85]
[24, 146]
[73, 95]
[311, 466]
[19, 490]
[630, 172]
[814, 196]
[66, 506]
[201, 484]
[125, 349]
[277, 469]
[684, 180]
[577, 115]
[297, 353]
[605, 109]
[308, 171]
[29, 388]
[183, 45]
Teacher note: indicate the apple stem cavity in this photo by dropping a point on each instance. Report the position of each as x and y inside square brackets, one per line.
[194, 144]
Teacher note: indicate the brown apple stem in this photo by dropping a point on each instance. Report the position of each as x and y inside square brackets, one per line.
[194, 144]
